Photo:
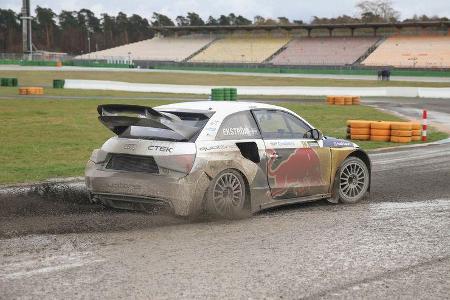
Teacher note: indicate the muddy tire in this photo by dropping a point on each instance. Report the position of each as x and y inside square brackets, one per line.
[354, 180]
[227, 196]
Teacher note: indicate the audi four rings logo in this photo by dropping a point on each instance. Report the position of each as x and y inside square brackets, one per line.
[131, 147]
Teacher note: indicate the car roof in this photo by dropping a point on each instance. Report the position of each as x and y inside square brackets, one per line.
[225, 107]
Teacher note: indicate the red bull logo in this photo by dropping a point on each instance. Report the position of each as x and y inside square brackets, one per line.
[295, 175]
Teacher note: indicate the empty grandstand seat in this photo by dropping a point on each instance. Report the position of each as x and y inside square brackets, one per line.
[324, 51]
[240, 50]
[156, 49]
[412, 51]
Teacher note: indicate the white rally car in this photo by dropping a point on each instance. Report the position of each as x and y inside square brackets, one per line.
[228, 159]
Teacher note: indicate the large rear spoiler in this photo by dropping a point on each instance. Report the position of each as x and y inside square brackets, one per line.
[119, 117]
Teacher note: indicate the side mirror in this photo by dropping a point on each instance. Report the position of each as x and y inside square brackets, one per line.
[316, 134]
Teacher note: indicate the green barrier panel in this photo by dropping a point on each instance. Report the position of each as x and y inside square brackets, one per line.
[9, 82]
[373, 72]
[226, 94]
[38, 63]
[9, 62]
[58, 83]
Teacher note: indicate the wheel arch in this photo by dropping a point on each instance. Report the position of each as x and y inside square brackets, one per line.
[358, 153]
[362, 155]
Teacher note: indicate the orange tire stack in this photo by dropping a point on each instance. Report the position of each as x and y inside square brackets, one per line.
[343, 100]
[380, 131]
[330, 100]
[31, 91]
[356, 100]
[348, 100]
[358, 130]
[416, 132]
[401, 132]
[338, 100]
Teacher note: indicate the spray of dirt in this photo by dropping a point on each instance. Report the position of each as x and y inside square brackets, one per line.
[58, 208]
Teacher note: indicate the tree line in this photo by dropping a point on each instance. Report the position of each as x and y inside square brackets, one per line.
[78, 32]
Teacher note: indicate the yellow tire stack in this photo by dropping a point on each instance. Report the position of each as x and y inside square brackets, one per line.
[401, 132]
[343, 100]
[31, 91]
[330, 100]
[380, 131]
[416, 132]
[383, 131]
[338, 100]
[348, 100]
[358, 130]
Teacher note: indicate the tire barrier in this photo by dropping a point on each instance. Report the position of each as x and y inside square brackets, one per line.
[401, 139]
[10, 82]
[359, 131]
[31, 91]
[381, 138]
[360, 137]
[383, 131]
[380, 132]
[58, 83]
[343, 100]
[401, 126]
[224, 94]
[358, 124]
[401, 133]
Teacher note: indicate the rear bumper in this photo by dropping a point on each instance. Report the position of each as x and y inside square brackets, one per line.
[185, 195]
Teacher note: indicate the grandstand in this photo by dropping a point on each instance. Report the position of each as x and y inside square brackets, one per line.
[290, 46]
[331, 51]
[174, 49]
[412, 51]
[240, 50]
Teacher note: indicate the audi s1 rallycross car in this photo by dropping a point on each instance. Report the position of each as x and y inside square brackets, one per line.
[228, 159]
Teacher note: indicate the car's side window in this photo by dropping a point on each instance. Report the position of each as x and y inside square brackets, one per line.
[275, 124]
[238, 126]
[298, 127]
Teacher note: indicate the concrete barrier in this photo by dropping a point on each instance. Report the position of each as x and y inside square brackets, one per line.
[261, 90]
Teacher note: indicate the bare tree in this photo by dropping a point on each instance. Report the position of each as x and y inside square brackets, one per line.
[379, 8]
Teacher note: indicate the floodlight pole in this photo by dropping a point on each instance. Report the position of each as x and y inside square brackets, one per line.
[27, 43]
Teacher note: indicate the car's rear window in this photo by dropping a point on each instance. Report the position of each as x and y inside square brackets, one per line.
[185, 127]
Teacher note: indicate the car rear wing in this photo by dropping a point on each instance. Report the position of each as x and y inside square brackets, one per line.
[119, 117]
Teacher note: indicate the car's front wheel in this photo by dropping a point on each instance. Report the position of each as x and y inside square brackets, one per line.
[227, 196]
[354, 179]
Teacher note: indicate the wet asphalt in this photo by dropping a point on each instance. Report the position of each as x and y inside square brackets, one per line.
[395, 244]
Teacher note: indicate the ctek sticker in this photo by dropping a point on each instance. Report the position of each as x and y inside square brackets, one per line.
[160, 148]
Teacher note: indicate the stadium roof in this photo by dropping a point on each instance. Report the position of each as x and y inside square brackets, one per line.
[444, 24]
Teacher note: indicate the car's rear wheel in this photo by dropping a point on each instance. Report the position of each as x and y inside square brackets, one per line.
[227, 196]
[354, 180]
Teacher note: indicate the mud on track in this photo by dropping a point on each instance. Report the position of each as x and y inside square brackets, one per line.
[65, 208]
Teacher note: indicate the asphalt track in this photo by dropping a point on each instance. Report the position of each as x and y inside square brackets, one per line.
[394, 244]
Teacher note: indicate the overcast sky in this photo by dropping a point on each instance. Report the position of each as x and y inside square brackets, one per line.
[293, 9]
